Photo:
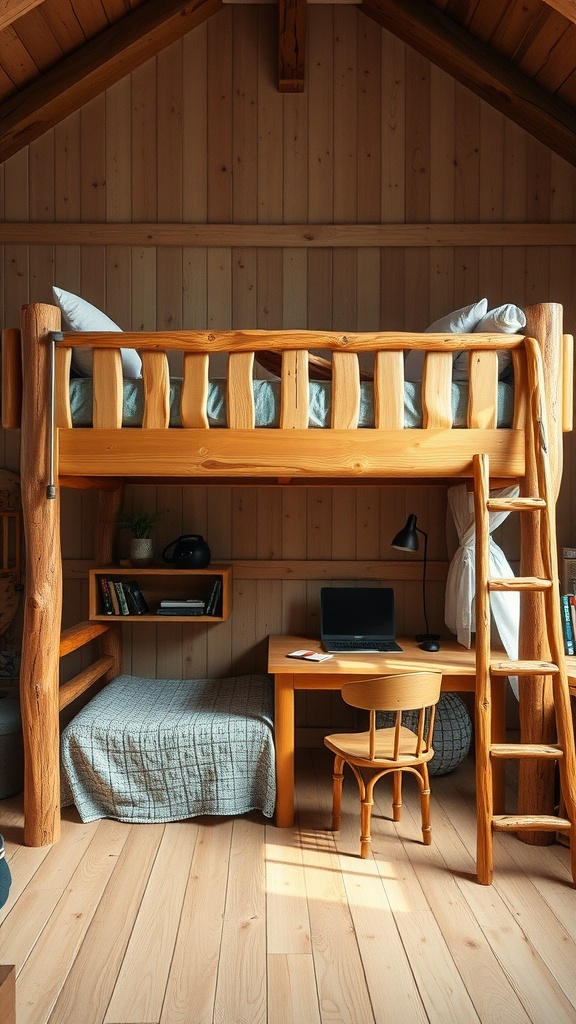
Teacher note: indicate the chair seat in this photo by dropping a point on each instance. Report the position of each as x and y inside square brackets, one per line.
[355, 745]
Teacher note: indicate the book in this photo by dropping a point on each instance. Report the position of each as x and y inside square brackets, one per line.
[214, 598]
[188, 602]
[114, 597]
[309, 655]
[567, 625]
[124, 609]
[190, 610]
[135, 598]
[568, 571]
[107, 605]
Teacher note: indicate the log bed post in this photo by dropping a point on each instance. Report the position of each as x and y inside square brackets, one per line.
[536, 707]
[39, 676]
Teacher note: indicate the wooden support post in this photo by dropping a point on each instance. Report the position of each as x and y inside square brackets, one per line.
[291, 45]
[43, 594]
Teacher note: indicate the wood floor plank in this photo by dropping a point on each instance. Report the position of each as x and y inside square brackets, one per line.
[87, 990]
[488, 986]
[51, 959]
[532, 981]
[288, 923]
[139, 992]
[191, 988]
[28, 909]
[241, 985]
[342, 990]
[292, 993]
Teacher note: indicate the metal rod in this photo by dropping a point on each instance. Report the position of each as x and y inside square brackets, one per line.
[51, 486]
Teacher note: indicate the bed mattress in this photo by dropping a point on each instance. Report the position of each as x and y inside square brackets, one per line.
[167, 749]
[267, 403]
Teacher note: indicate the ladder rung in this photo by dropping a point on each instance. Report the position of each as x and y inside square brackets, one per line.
[523, 668]
[520, 583]
[514, 504]
[520, 750]
[530, 823]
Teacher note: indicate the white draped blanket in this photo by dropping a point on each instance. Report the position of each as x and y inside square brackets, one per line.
[166, 749]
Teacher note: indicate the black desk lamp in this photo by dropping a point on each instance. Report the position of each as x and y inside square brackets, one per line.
[407, 540]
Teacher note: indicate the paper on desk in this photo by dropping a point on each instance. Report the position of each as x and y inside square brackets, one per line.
[309, 655]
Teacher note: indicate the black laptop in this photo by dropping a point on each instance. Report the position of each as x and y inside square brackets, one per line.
[357, 620]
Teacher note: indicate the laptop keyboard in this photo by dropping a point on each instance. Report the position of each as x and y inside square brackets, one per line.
[376, 647]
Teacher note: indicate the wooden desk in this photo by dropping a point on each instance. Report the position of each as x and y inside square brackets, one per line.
[457, 664]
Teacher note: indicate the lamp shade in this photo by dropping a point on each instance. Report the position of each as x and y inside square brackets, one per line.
[407, 539]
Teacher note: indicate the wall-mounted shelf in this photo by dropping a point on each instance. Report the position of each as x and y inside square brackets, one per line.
[157, 584]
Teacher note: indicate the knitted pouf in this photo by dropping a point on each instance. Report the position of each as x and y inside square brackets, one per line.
[452, 732]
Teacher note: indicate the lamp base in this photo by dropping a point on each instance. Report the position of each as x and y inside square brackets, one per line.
[423, 637]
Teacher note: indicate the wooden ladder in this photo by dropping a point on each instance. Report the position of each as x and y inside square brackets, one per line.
[562, 750]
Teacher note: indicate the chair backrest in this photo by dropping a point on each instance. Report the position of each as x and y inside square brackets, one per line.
[407, 691]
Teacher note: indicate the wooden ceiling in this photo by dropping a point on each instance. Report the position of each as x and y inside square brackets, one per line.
[519, 56]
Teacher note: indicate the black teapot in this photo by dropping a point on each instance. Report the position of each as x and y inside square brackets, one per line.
[188, 552]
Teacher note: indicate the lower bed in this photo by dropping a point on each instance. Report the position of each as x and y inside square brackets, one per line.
[156, 750]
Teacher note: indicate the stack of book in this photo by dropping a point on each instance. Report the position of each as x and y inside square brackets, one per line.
[182, 606]
[568, 599]
[122, 597]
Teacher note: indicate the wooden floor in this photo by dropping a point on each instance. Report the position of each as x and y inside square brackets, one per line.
[237, 922]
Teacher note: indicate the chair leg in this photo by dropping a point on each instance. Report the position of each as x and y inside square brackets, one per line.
[425, 805]
[365, 821]
[338, 777]
[396, 795]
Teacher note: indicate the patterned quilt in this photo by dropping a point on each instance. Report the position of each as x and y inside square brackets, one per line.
[166, 749]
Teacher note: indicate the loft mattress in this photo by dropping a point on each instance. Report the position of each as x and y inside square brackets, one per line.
[267, 403]
[155, 750]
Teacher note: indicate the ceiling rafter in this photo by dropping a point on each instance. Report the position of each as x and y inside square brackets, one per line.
[292, 45]
[565, 7]
[11, 10]
[427, 30]
[103, 61]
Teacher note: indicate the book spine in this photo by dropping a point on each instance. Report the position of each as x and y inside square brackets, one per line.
[124, 609]
[189, 603]
[572, 600]
[113, 596]
[568, 631]
[214, 598]
[135, 598]
[189, 613]
[105, 594]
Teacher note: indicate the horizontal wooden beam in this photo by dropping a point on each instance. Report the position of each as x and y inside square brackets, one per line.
[394, 569]
[471, 62]
[284, 236]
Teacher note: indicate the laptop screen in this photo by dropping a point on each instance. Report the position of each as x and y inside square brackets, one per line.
[357, 612]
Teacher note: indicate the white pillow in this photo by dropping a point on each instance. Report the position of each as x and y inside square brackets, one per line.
[460, 321]
[80, 315]
[506, 319]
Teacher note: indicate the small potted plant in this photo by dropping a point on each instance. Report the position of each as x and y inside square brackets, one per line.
[140, 526]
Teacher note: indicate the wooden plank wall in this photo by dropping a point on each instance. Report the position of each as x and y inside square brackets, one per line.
[202, 136]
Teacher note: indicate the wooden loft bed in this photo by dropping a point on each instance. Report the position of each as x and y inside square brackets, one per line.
[55, 453]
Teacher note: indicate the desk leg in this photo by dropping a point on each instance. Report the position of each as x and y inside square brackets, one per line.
[284, 737]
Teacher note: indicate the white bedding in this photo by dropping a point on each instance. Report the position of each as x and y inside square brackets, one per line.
[167, 749]
[267, 403]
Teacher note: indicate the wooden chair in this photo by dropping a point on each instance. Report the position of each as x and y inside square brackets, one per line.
[395, 749]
